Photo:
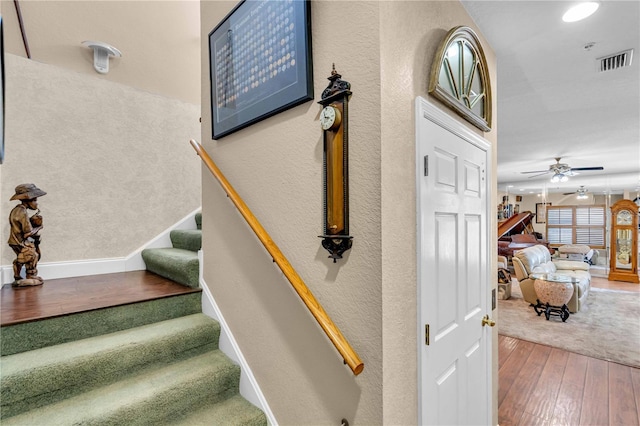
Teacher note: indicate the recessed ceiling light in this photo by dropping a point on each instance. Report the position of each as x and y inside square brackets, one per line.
[580, 11]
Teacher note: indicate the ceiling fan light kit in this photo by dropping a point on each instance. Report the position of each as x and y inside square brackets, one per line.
[559, 177]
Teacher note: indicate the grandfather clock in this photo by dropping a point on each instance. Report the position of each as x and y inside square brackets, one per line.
[624, 242]
[334, 121]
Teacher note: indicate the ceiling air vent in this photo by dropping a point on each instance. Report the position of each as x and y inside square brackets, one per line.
[615, 61]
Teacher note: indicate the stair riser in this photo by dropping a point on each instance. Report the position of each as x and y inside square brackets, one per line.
[34, 388]
[39, 334]
[186, 239]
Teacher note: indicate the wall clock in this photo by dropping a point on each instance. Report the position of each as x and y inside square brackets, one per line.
[334, 120]
[460, 77]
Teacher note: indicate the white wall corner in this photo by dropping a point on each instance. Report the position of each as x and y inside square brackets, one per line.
[249, 387]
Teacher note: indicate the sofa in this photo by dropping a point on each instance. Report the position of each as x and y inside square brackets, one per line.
[537, 259]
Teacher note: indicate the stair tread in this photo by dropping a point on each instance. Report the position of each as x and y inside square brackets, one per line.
[179, 265]
[65, 296]
[141, 398]
[71, 351]
[234, 411]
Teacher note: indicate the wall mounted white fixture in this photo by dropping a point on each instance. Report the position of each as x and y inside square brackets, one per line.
[101, 53]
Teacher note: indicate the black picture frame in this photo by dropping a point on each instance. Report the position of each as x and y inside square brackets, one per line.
[541, 212]
[260, 63]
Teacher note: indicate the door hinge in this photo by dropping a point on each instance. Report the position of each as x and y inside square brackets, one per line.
[426, 165]
[426, 334]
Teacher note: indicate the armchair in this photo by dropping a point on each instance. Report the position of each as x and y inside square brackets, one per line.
[537, 259]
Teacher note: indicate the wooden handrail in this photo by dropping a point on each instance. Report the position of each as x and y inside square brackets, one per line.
[332, 331]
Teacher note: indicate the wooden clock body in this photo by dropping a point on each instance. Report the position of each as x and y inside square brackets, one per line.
[623, 265]
[335, 100]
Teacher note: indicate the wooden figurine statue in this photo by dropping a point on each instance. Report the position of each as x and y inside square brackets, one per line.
[24, 236]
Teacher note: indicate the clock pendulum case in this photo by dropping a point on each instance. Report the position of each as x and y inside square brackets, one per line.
[623, 262]
[334, 121]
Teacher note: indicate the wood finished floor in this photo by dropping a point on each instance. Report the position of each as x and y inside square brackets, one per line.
[541, 385]
[79, 294]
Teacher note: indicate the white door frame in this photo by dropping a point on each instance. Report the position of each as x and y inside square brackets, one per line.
[427, 110]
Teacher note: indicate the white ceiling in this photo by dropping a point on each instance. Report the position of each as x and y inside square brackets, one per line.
[553, 102]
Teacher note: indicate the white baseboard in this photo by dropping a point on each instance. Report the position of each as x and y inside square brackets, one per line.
[249, 387]
[80, 268]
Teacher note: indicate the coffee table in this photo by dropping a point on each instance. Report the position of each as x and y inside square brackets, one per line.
[554, 292]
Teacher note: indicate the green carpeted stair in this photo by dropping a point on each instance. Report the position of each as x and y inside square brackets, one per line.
[154, 362]
[179, 262]
[168, 372]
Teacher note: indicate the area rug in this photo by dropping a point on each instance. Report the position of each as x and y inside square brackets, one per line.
[607, 328]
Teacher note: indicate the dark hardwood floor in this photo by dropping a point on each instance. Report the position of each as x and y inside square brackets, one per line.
[541, 385]
[79, 294]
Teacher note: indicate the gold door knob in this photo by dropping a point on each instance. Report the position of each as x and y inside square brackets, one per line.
[488, 321]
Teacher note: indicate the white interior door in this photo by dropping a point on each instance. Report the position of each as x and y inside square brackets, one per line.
[452, 189]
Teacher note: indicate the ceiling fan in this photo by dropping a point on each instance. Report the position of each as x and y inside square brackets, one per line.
[582, 193]
[561, 171]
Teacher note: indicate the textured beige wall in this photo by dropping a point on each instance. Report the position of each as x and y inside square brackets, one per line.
[115, 161]
[276, 166]
[407, 57]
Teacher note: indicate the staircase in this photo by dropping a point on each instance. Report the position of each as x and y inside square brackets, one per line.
[180, 262]
[152, 362]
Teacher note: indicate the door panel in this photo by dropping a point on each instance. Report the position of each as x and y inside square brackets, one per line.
[453, 293]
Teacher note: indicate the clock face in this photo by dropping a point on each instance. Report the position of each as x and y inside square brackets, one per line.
[624, 217]
[329, 118]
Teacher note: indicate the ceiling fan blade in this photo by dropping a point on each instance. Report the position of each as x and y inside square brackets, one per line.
[569, 193]
[587, 168]
[543, 173]
[537, 171]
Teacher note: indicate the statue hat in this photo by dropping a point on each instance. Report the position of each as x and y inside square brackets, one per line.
[27, 191]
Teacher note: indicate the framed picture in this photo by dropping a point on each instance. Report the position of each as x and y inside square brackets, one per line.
[541, 212]
[260, 63]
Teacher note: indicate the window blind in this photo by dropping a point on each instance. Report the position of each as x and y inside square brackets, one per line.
[576, 225]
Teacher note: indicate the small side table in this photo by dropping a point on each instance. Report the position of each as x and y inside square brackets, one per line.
[554, 292]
